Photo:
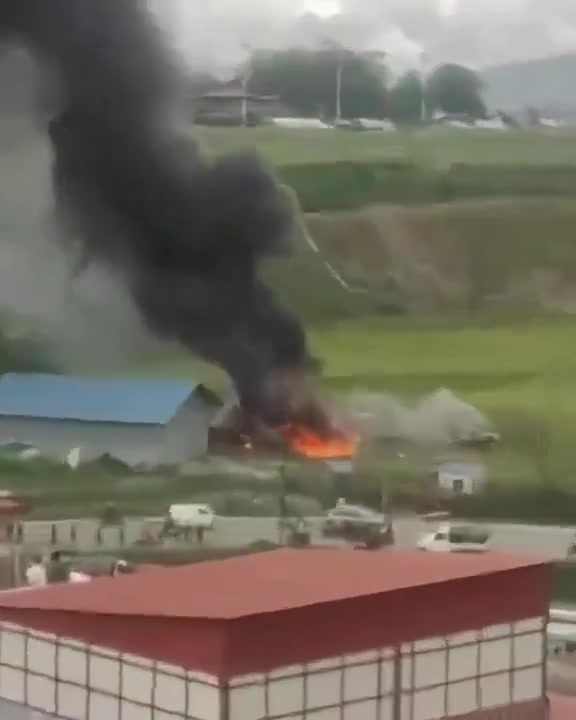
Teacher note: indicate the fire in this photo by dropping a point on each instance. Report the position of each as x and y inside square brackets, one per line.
[305, 441]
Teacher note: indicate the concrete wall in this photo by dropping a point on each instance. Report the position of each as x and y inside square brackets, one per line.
[55, 438]
[185, 437]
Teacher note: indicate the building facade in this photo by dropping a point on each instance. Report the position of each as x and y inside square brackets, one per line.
[135, 421]
[319, 635]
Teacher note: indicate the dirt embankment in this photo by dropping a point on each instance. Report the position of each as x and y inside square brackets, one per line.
[460, 256]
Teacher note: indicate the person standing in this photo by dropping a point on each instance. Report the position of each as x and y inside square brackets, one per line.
[36, 573]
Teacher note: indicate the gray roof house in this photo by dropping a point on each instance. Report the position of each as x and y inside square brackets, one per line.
[140, 422]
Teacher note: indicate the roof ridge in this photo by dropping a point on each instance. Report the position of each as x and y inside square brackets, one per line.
[149, 401]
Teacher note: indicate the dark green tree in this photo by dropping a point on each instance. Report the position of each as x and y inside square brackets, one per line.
[455, 89]
[20, 352]
[406, 99]
[307, 81]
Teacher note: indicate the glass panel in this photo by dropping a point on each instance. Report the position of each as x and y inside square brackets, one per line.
[431, 668]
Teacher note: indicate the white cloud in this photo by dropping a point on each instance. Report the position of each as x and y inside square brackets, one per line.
[213, 34]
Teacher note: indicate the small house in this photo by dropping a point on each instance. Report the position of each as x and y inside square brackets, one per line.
[459, 478]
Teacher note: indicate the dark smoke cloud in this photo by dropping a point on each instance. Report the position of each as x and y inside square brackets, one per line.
[137, 195]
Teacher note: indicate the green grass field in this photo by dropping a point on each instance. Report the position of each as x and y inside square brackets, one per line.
[522, 375]
[519, 368]
[433, 147]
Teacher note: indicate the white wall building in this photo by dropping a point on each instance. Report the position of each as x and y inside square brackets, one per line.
[285, 635]
[148, 422]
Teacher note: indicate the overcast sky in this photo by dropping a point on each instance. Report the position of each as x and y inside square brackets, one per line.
[215, 33]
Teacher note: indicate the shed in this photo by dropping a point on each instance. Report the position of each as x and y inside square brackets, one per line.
[319, 634]
[148, 422]
[461, 478]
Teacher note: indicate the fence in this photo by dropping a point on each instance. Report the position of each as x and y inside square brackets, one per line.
[82, 534]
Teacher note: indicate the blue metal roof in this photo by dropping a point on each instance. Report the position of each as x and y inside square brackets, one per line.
[59, 397]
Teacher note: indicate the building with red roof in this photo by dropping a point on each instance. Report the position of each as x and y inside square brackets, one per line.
[315, 634]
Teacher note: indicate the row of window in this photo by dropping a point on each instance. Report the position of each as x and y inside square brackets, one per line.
[418, 670]
[74, 702]
[436, 667]
[297, 695]
[461, 698]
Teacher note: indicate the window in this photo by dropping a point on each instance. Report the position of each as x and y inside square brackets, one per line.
[457, 675]
[60, 678]
[351, 687]
[458, 486]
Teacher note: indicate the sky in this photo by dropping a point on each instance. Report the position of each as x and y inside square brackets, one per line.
[216, 34]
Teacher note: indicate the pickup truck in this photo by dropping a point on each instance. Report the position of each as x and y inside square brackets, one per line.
[455, 538]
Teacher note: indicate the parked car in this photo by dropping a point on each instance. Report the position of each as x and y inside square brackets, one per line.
[192, 515]
[357, 524]
[186, 520]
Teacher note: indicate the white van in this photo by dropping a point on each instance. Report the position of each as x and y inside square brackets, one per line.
[192, 515]
[450, 538]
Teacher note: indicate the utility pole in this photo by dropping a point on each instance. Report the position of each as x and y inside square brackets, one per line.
[282, 503]
[246, 77]
[423, 108]
[339, 71]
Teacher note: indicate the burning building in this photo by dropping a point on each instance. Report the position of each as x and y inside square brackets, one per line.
[184, 234]
[309, 634]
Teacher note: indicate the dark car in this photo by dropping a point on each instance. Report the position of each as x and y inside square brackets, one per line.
[357, 524]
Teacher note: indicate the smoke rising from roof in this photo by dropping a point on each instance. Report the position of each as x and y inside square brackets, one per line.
[135, 195]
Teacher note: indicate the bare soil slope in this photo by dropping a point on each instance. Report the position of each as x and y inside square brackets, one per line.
[460, 256]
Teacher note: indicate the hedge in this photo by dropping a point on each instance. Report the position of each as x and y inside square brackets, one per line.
[535, 504]
[183, 555]
[347, 185]
[564, 585]
[564, 577]
[544, 505]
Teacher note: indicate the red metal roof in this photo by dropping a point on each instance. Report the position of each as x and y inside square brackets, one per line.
[264, 583]
[562, 708]
[281, 608]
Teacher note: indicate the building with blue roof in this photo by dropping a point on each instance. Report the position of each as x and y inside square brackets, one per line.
[141, 422]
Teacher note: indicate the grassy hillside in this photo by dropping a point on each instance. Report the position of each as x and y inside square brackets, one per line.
[477, 296]
[512, 256]
[521, 375]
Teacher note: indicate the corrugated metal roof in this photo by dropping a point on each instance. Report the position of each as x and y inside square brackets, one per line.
[263, 583]
[562, 707]
[59, 397]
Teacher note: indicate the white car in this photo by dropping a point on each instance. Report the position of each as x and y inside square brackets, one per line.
[455, 538]
[192, 515]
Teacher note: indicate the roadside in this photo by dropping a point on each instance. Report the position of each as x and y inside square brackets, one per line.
[88, 534]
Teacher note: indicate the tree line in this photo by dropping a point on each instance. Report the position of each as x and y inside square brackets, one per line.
[308, 82]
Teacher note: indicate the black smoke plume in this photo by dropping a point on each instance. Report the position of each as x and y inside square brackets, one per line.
[135, 192]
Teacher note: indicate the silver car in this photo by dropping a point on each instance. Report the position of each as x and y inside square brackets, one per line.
[354, 522]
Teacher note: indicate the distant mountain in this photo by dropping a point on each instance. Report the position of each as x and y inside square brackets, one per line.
[548, 84]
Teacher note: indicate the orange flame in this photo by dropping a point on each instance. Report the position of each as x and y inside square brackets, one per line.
[308, 443]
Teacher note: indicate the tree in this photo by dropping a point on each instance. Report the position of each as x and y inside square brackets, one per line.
[455, 89]
[406, 99]
[307, 81]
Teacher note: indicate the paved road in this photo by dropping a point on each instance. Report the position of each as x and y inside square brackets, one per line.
[552, 541]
